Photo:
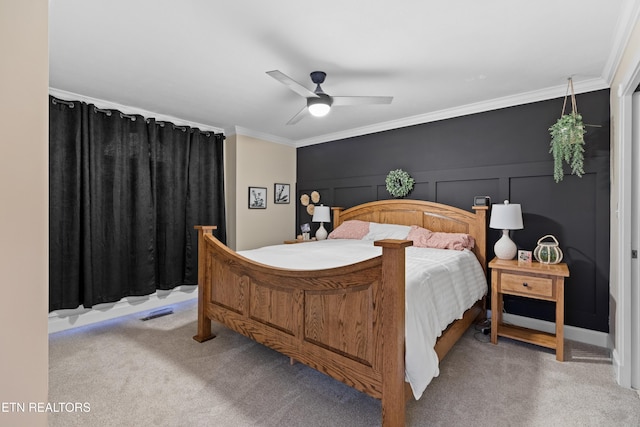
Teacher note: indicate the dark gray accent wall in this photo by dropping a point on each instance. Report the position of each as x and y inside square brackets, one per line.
[503, 154]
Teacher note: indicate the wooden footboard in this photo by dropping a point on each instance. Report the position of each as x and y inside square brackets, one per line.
[334, 320]
[347, 322]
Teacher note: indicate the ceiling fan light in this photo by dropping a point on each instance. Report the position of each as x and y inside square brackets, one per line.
[319, 110]
[319, 107]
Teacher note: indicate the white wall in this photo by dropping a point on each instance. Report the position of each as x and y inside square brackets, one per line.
[24, 207]
[622, 86]
[262, 163]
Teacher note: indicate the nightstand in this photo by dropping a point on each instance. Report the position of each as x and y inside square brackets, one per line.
[537, 281]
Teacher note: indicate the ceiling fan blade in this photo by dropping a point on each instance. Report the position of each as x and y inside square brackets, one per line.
[292, 84]
[361, 100]
[301, 115]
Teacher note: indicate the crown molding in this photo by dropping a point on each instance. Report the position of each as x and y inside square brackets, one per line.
[239, 130]
[108, 105]
[624, 27]
[583, 86]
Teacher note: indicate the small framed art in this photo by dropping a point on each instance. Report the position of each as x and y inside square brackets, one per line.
[281, 194]
[524, 257]
[257, 198]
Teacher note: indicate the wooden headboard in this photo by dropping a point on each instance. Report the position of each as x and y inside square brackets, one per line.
[430, 215]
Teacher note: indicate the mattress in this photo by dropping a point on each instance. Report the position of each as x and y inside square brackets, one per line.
[441, 285]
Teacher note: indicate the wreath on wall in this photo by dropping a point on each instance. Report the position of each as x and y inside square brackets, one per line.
[399, 183]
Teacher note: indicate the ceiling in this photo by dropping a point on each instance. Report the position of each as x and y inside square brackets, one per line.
[205, 62]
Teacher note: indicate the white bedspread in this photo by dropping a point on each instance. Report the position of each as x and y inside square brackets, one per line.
[440, 285]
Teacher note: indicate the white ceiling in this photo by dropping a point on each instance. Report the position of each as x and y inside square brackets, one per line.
[205, 61]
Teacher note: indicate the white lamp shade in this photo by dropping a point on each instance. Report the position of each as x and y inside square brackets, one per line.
[321, 214]
[506, 216]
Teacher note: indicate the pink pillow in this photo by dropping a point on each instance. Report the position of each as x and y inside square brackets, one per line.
[354, 229]
[420, 236]
[424, 238]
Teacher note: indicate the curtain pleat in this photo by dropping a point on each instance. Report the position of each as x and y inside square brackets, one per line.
[65, 170]
[170, 172]
[119, 208]
[123, 195]
[206, 186]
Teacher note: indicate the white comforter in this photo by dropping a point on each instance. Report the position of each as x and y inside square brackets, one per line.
[440, 285]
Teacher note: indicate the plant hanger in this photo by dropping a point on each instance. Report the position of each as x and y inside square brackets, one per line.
[567, 139]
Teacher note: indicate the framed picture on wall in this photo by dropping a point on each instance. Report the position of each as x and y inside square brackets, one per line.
[281, 194]
[257, 198]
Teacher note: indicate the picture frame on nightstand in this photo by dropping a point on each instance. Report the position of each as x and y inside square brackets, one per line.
[525, 257]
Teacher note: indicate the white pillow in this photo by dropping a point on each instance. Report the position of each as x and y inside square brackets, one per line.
[387, 231]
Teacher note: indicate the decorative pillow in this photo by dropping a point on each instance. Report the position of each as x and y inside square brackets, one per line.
[420, 236]
[353, 229]
[387, 231]
[424, 238]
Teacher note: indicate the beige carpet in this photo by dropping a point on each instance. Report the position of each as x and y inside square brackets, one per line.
[152, 373]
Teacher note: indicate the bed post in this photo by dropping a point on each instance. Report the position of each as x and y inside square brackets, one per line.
[393, 332]
[480, 234]
[204, 323]
[336, 216]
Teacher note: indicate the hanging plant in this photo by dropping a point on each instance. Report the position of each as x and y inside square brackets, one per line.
[567, 140]
[399, 183]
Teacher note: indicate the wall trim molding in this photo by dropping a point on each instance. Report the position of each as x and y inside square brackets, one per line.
[62, 320]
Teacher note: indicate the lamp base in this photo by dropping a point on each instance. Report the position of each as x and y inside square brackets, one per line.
[321, 234]
[505, 248]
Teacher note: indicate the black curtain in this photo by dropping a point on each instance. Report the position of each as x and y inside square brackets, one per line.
[170, 172]
[125, 193]
[202, 208]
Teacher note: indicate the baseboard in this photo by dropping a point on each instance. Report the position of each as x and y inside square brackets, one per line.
[587, 336]
[61, 320]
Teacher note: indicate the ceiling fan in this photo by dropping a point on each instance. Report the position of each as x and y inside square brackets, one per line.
[319, 103]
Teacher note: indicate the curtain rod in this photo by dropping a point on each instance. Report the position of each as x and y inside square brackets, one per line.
[62, 101]
[133, 117]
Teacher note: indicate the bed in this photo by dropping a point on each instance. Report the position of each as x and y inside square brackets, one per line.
[347, 322]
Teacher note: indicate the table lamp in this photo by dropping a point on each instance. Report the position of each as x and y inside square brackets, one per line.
[321, 214]
[506, 217]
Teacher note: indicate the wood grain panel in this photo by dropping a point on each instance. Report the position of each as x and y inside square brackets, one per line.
[401, 216]
[436, 221]
[232, 296]
[341, 321]
[273, 307]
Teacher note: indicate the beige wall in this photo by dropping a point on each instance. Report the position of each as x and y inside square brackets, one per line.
[262, 163]
[23, 207]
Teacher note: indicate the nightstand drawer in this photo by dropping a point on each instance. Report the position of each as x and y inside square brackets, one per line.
[527, 285]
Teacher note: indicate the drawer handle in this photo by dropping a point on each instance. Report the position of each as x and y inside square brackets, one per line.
[525, 284]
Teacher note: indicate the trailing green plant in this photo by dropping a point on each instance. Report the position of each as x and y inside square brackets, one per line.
[399, 183]
[567, 139]
[567, 145]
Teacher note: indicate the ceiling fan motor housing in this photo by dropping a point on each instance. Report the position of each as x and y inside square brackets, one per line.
[318, 77]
